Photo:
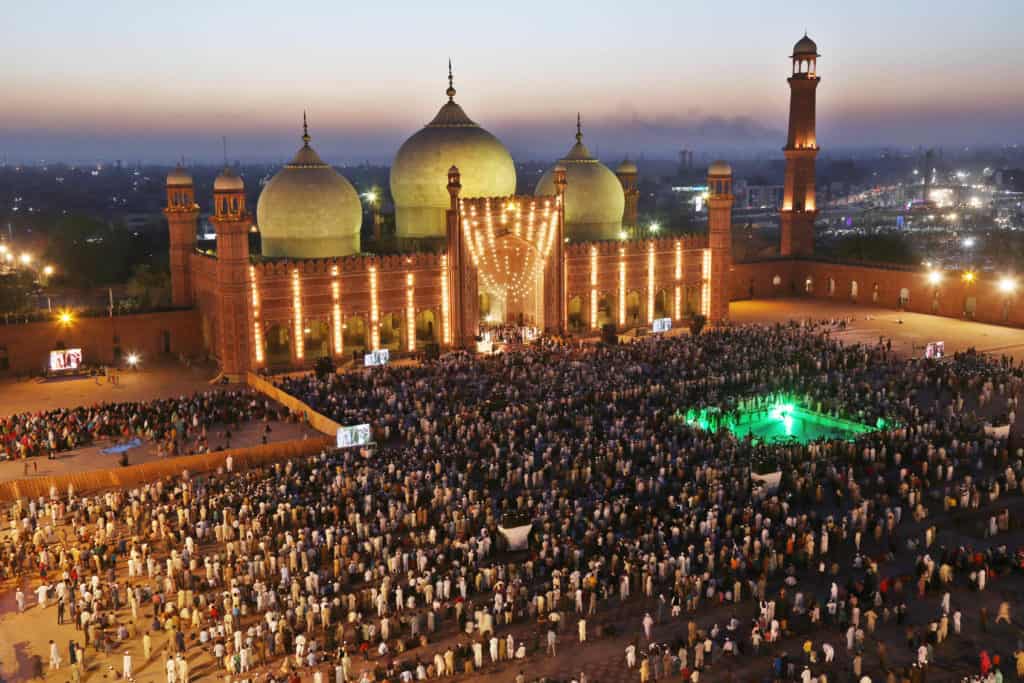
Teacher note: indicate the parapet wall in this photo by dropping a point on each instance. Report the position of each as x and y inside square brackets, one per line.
[136, 475]
[983, 297]
[102, 339]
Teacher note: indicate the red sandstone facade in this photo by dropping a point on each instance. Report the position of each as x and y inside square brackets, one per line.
[284, 313]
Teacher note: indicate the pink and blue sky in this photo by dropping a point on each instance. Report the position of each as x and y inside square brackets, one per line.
[153, 81]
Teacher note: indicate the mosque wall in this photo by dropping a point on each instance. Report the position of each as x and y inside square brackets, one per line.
[342, 307]
[984, 298]
[25, 348]
[634, 282]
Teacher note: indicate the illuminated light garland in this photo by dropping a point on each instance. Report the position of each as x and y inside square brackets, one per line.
[336, 312]
[650, 283]
[300, 339]
[622, 287]
[257, 333]
[410, 313]
[374, 311]
[446, 321]
[593, 288]
[679, 277]
[498, 278]
[705, 289]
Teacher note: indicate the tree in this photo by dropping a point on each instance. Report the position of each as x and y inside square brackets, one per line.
[15, 290]
[697, 323]
[150, 288]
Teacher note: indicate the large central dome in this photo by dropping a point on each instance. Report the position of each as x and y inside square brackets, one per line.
[419, 175]
[309, 210]
[594, 199]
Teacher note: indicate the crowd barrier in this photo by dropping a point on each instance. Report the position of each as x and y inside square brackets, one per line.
[134, 475]
[317, 421]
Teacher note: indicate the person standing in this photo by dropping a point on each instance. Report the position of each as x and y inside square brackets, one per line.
[582, 626]
[552, 640]
[54, 656]
[648, 626]
[126, 666]
[19, 597]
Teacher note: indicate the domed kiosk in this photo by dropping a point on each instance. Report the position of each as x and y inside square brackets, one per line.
[419, 174]
[594, 199]
[309, 210]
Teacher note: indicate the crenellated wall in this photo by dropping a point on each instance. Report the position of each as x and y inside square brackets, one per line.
[103, 340]
[631, 283]
[982, 297]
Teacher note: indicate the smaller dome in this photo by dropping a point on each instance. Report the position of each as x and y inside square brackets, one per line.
[626, 167]
[805, 47]
[719, 168]
[228, 181]
[179, 177]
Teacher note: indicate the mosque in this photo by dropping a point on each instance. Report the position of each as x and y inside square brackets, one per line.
[478, 251]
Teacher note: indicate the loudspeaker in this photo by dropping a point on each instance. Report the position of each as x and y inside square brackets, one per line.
[432, 350]
[609, 335]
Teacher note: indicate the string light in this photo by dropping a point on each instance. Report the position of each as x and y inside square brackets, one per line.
[486, 222]
[593, 287]
[446, 321]
[622, 286]
[679, 277]
[410, 313]
[650, 283]
[374, 311]
[300, 340]
[257, 333]
[705, 289]
[336, 311]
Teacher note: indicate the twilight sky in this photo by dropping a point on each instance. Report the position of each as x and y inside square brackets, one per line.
[152, 81]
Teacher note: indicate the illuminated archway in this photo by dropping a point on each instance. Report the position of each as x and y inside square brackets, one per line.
[426, 326]
[662, 307]
[632, 308]
[391, 331]
[904, 299]
[605, 310]
[354, 334]
[316, 339]
[575, 313]
[853, 290]
[277, 344]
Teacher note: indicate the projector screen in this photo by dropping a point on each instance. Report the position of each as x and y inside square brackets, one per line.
[65, 359]
[358, 435]
[378, 357]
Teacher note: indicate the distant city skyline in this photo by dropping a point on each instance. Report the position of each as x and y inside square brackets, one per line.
[105, 81]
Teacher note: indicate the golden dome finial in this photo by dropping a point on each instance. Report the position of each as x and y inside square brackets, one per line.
[305, 130]
[451, 88]
[579, 128]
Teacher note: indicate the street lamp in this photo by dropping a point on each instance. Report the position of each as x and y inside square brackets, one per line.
[48, 271]
[934, 277]
[654, 228]
[623, 234]
[26, 258]
[1007, 285]
[969, 276]
[66, 318]
[133, 360]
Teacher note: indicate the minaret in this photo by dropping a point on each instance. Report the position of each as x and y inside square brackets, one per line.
[463, 288]
[232, 223]
[627, 174]
[798, 204]
[720, 200]
[556, 313]
[182, 214]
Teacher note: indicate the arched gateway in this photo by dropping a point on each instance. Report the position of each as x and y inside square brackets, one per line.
[511, 250]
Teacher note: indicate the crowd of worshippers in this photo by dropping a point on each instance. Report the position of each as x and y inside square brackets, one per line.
[390, 565]
[178, 425]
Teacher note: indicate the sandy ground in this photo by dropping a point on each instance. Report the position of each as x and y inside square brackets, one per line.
[909, 331]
